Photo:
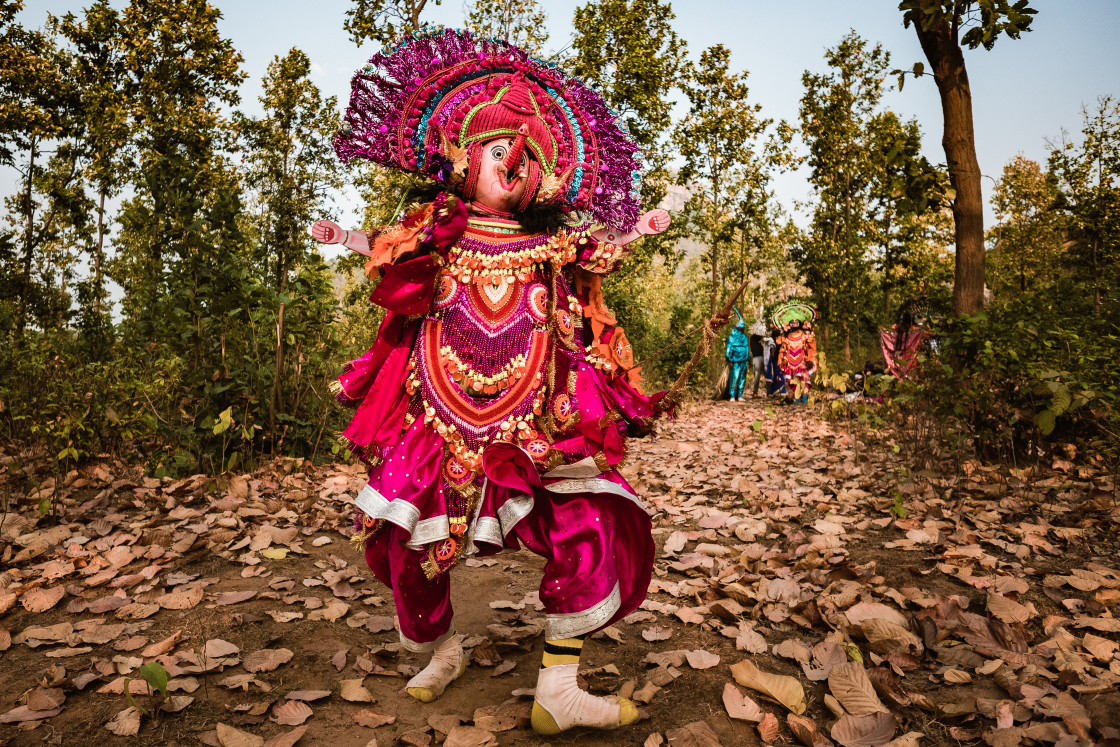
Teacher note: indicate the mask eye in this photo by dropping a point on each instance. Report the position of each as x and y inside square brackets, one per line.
[498, 152]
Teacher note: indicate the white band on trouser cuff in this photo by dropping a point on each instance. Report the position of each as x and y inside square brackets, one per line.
[571, 624]
[422, 648]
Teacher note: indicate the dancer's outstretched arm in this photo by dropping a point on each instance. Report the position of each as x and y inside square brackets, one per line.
[651, 222]
[328, 232]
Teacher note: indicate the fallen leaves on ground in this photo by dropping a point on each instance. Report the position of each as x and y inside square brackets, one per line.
[880, 589]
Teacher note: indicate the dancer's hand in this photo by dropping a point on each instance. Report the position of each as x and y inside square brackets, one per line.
[653, 221]
[326, 232]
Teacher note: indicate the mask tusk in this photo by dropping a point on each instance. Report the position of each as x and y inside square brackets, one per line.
[513, 158]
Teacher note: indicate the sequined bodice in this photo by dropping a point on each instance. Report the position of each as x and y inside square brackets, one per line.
[480, 359]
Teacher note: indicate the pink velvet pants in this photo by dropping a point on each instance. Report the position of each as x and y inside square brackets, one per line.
[597, 566]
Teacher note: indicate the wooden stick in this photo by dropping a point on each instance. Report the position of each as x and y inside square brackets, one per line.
[702, 348]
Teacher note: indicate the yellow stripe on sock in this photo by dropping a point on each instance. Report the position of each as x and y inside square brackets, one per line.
[561, 651]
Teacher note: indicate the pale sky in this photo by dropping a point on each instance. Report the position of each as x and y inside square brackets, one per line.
[1023, 91]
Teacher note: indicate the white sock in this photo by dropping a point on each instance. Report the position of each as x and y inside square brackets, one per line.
[447, 665]
[559, 694]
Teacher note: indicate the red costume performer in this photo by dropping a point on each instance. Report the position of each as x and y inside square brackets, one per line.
[493, 408]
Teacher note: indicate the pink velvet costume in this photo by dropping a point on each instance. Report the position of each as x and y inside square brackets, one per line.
[495, 404]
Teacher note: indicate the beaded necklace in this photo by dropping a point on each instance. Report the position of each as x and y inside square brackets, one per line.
[494, 250]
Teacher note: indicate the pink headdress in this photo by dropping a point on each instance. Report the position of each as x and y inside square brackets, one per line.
[422, 103]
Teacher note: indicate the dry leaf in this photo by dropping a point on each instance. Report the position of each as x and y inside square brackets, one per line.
[1008, 610]
[45, 698]
[287, 739]
[886, 637]
[740, 706]
[699, 659]
[957, 677]
[852, 687]
[126, 723]
[373, 720]
[352, 690]
[231, 737]
[826, 655]
[470, 736]
[768, 728]
[41, 600]
[175, 703]
[503, 717]
[24, 713]
[857, 613]
[806, 732]
[874, 730]
[216, 648]
[290, 712]
[696, 734]
[306, 695]
[181, 600]
[266, 660]
[234, 597]
[690, 615]
[785, 690]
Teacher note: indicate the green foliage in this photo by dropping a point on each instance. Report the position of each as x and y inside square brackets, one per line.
[983, 20]
[519, 22]
[1027, 239]
[382, 21]
[729, 153]
[226, 339]
[1086, 176]
[156, 676]
[1032, 369]
[898, 509]
[629, 50]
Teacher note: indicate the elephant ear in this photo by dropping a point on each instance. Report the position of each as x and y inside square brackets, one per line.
[457, 155]
[554, 184]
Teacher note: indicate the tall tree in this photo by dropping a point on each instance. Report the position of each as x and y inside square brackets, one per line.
[837, 111]
[291, 170]
[181, 71]
[728, 153]
[100, 76]
[519, 22]
[1027, 238]
[904, 187]
[1087, 176]
[939, 24]
[382, 21]
[31, 89]
[629, 50]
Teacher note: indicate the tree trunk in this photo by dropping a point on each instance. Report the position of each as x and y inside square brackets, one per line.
[939, 42]
[715, 287]
[99, 255]
[888, 266]
[847, 342]
[414, 13]
[1096, 280]
[274, 400]
[28, 245]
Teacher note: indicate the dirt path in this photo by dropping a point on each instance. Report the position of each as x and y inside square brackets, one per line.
[972, 604]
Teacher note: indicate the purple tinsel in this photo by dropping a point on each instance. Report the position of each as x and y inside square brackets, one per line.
[433, 62]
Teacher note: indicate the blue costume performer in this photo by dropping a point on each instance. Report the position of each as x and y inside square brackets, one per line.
[738, 357]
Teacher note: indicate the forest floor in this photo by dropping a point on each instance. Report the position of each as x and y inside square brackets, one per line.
[816, 583]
